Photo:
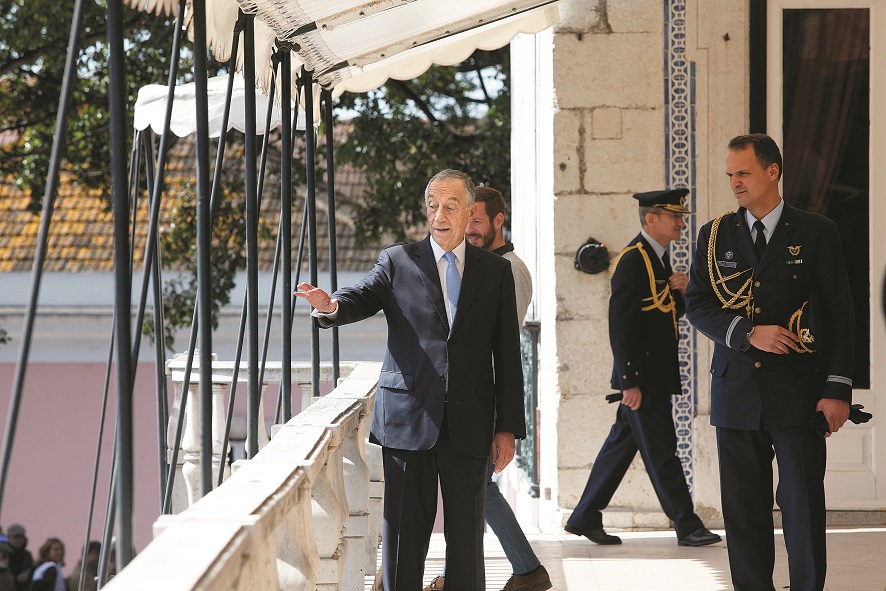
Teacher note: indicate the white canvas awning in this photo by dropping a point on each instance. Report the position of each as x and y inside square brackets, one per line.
[356, 45]
[150, 108]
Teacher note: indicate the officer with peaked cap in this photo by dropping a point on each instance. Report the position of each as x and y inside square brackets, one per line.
[646, 301]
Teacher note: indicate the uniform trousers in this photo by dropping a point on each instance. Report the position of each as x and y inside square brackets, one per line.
[649, 430]
[746, 492]
[410, 507]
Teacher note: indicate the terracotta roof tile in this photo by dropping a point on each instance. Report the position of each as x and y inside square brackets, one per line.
[81, 233]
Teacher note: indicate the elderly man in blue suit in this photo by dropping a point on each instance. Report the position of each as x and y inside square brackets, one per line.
[450, 393]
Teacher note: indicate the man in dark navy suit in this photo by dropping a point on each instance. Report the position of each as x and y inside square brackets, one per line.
[646, 301]
[769, 286]
[450, 393]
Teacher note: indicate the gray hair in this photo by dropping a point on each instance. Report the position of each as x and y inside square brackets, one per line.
[451, 174]
[643, 211]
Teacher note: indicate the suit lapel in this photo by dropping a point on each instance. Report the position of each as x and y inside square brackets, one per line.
[423, 256]
[743, 237]
[470, 282]
[780, 239]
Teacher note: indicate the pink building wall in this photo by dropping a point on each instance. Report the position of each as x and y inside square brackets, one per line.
[51, 470]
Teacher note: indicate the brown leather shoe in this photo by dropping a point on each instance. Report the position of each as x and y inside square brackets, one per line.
[537, 580]
[436, 584]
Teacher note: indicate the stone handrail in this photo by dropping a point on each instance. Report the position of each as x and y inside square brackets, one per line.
[303, 514]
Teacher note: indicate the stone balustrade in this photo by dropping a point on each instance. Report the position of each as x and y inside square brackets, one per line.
[303, 514]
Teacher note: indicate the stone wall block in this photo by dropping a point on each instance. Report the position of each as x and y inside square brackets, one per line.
[569, 150]
[632, 164]
[622, 70]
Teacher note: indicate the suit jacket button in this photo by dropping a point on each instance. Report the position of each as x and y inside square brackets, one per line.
[758, 365]
[629, 363]
[756, 284]
[624, 377]
[756, 310]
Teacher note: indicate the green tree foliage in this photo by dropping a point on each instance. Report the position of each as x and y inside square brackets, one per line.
[406, 131]
[32, 59]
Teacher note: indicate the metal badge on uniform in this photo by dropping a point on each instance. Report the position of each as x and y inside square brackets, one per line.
[728, 262]
[794, 250]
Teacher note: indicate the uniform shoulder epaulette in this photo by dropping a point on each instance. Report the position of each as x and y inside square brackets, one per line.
[638, 247]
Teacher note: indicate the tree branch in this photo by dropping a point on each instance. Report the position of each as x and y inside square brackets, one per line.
[419, 102]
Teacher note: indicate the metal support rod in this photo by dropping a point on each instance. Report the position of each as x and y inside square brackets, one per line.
[52, 177]
[253, 388]
[153, 274]
[330, 200]
[204, 245]
[110, 512]
[286, 232]
[310, 156]
[122, 273]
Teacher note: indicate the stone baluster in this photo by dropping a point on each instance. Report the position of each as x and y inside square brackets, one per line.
[376, 496]
[356, 478]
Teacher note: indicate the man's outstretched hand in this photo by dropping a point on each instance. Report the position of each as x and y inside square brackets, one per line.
[318, 298]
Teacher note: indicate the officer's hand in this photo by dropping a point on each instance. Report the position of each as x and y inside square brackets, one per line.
[679, 282]
[503, 448]
[632, 397]
[318, 298]
[835, 411]
[774, 339]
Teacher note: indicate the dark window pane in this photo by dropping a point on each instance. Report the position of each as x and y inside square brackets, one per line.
[826, 139]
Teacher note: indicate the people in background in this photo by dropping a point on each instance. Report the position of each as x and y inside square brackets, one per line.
[21, 562]
[88, 570]
[646, 301]
[48, 574]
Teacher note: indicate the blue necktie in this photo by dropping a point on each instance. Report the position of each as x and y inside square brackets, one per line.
[453, 284]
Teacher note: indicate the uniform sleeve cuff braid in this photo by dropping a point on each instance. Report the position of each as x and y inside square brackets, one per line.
[730, 330]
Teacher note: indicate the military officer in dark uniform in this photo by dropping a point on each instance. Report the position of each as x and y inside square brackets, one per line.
[769, 286]
[646, 301]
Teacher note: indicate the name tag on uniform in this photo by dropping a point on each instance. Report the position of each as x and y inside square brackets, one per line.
[730, 264]
[794, 262]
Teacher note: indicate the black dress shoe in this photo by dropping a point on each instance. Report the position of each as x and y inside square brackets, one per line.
[700, 537]
[596, 535]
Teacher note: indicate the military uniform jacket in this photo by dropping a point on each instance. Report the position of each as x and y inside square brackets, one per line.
[473, 370]
[643, 314]
[800, 284]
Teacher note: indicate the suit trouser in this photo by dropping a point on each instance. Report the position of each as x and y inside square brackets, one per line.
[504, 524]
[410, 507]
[746, 491]
[649, 430]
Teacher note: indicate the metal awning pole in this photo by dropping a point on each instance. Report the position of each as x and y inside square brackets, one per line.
[286, 231]
[55, 158]
[330, 200]
[122, 274]
[253, 388]
[204, 245]
[311, 197]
